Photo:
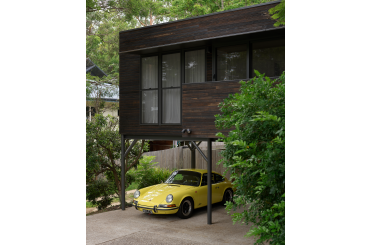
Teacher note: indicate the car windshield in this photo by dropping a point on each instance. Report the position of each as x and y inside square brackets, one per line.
[184, 178]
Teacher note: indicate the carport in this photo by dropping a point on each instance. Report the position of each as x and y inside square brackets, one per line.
[208, 159]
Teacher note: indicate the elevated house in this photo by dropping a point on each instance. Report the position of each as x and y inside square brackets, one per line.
[174, 75]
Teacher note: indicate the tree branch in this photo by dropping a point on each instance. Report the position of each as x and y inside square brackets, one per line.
[139, 155]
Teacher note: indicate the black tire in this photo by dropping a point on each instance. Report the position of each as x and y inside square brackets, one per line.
[186, 208]
[228, 196]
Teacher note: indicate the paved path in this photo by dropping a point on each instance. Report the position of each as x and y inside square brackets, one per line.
[133, 227]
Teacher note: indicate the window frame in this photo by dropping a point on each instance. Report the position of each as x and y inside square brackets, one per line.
[141, 90]
[248, 42]
[160, 87]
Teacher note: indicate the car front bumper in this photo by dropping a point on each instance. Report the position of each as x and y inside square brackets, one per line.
[155, 209]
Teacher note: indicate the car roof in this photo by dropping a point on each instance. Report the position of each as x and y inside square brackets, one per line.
[202, 171]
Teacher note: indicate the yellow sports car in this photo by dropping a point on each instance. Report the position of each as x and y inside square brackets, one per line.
[184, 191]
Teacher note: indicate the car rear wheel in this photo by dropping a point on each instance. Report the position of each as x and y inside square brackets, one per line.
[186, 208]
[227, 196]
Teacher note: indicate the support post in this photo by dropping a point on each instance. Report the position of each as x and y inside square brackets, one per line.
[209, 179]
[123, 156]
[122, 172]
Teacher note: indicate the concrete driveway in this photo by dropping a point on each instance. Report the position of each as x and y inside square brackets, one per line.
[133, 227]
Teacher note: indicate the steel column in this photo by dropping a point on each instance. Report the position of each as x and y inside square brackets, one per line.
[209, 169]
[123, 156]
[122, 172]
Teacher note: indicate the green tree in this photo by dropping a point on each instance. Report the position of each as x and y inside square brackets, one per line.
[255, 154]
[146, 12]
[102, 44]
[180, 9]
[103, 151]
[278, 13]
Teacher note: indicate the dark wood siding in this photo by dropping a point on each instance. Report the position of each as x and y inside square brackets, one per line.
[225, 23]
[199, 101]
[200, 105]
[130, 102]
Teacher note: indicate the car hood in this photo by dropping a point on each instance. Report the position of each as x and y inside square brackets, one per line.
[158, 193]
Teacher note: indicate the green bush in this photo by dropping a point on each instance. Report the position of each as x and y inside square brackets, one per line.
[147, 175]
[255, 155]
[99, 193]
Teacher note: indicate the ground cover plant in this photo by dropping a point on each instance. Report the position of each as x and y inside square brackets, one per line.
[255, 155]
[147, 173]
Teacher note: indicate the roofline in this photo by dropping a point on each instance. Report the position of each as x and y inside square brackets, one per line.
[202, 16]
[95, 66]
[203, 39]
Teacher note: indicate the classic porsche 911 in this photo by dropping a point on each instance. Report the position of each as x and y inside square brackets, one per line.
[184, 191]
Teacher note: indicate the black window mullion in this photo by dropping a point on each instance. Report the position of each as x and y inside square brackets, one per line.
[182, 66]
[248, 57]
[250, 60]
[160, 65]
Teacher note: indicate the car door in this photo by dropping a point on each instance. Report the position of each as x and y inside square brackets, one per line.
[218, 188]
[203, 192]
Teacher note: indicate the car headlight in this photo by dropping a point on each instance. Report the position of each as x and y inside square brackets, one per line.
[136, 194]
[169, 198]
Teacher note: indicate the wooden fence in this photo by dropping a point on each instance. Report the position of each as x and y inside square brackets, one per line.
[180, 158]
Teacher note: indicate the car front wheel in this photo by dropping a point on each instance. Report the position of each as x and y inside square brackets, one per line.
[186, 208]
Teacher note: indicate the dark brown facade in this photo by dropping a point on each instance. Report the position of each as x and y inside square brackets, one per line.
[199, 101]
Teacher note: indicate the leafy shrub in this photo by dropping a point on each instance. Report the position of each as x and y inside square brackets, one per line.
[99, 193]
[147, 175]
[254, 153]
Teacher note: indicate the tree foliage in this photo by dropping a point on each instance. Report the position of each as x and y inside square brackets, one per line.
[103, 151]
[278, 13]
[255, 154]
[147, 174]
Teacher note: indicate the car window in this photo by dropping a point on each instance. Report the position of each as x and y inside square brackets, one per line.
[205, 179]
[184, 178]
[218, 178]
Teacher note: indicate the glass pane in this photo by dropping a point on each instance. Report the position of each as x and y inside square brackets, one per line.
[171, 70]
[150, 106]
[171, 108]
[195, 66]
[150, 72]
[268, 57]
[232, 63]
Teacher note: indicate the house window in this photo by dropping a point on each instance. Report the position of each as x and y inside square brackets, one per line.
[268, 57]
[232, 62]
[195, 66]
[171, 88]
[149, 90]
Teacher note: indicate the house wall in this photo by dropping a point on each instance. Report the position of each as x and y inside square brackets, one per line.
[199, 101]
